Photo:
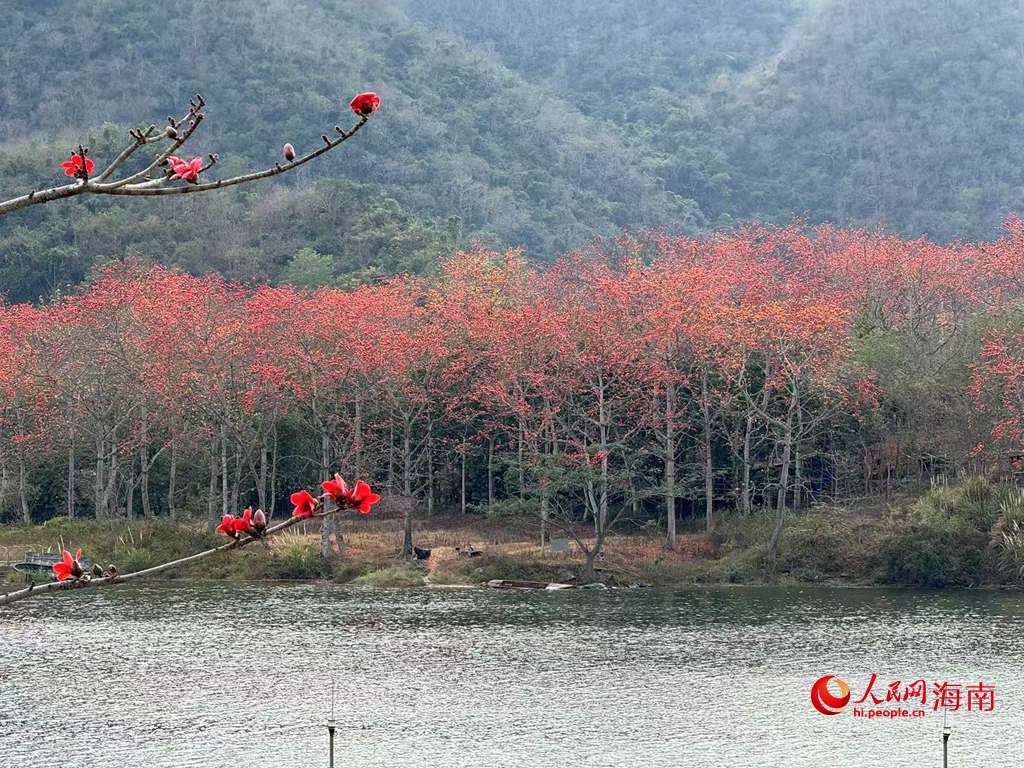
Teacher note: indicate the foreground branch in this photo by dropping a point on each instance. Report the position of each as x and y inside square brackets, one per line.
[154, 180]
[116, 579]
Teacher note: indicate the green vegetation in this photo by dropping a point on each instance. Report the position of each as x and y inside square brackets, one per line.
[404, 575]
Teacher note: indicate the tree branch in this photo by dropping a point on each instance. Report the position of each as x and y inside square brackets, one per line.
[140, 183]
[115, 580]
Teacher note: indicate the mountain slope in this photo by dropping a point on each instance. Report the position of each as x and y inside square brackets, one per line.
[458, 133]
[876, 111]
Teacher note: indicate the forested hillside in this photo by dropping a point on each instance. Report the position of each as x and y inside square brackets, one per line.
[461, 135]
[523, 123]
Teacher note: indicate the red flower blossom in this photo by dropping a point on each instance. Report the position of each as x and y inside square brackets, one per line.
[73, 167]
[243, 524]
[365, 103]
[69, 567]
[304, 504]
[360, 497]
[187, 171]
[363, 498]
[338, 490]
[227, 525]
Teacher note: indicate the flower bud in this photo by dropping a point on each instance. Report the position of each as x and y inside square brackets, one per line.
[289, 152]
[171, 132]
[259, 522]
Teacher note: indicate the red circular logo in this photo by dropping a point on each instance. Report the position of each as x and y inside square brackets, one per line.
[823, 699]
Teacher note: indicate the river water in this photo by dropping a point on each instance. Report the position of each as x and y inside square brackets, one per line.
[215, 675]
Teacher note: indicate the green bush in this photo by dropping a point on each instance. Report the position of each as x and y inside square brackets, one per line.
[974, 504]
[404, 575]
[295, 561]
[931, 556]
[476, 570]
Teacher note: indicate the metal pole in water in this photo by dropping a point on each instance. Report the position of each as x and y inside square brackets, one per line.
[330, 730]
[945, 742]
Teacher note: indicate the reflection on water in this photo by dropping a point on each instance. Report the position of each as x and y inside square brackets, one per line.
[214, 675]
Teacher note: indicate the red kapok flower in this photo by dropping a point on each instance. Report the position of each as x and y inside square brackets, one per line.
[304, 504]
[243, 524]
[362, 498]
[227, 525]
[73, 167]
[365, 103]
[338, 490]
[68, 567]
[187, 171]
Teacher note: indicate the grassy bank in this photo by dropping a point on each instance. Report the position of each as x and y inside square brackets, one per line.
[970, 535]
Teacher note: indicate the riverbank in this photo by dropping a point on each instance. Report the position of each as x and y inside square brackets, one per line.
[946, 537]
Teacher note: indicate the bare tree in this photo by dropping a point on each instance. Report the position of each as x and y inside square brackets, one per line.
[157, 178]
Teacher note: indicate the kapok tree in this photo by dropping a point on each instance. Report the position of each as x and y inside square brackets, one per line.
[166, 173]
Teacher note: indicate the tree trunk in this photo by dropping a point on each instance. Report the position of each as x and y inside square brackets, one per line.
[522, 468]
[261, 481]
[407, 551]
[709, 469]
[273, 478]
[129, 504]
[236, 486]
[223, 471]
[26, 513]
[211, 495]
[327, 527]
[798, 486]
[462, 480]
[603, 425]
[780, 502]
[490, 472]
[71, 482]
[5, 482]
[670, 466]
[147, 508]
[109, 490]
[357, 440]
[172, 477]
[430, 468]
[747, 436]
[391, 459]
[98, 483]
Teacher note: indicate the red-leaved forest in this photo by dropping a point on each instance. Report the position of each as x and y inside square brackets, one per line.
[644, 378]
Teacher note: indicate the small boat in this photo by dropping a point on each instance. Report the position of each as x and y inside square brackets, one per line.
[547, 586]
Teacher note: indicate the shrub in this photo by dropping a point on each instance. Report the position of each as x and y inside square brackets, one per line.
[933, 556]
[404, 575]
[476, 570]
[296, 560]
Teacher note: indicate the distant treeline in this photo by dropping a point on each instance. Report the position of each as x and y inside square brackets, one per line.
[646, 378]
